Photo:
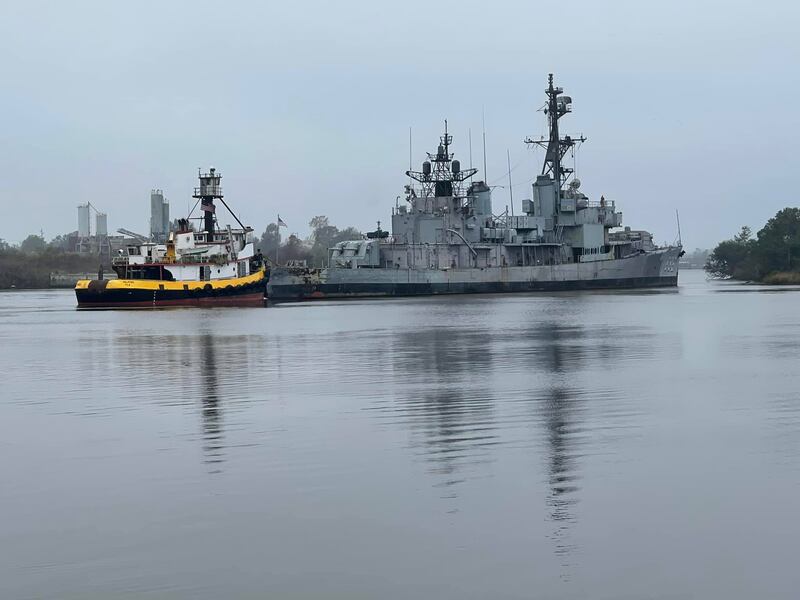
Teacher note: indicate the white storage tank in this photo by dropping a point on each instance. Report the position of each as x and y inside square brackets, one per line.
[83, 220]
[101, 224]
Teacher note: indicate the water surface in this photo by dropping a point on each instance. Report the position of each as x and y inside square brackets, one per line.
[572, 445]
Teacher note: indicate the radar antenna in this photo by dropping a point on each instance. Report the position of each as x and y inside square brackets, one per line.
[555, 146]
[441, 175]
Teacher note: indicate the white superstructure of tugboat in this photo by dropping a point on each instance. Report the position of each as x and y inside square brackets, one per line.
[446, 238]
[212, 267]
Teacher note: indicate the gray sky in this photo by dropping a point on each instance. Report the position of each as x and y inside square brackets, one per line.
[305, 106]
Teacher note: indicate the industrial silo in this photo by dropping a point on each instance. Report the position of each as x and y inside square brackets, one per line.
[165, 218]
[83, 220]
[156, 214]
[101, 224]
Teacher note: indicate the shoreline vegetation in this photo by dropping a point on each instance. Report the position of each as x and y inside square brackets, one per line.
[33, 271]
[38, 264]
[772, 257]
[782, 278]
[31, 264]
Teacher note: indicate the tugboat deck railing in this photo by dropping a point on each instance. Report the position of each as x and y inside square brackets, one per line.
[189, 260]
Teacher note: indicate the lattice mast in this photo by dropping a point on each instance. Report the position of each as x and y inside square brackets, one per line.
[556, 147]
[441, 175]
[209, 190]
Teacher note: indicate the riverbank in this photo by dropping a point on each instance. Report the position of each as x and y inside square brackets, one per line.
[782, 278]
[38, 271]
[68, 280]
[772, 257]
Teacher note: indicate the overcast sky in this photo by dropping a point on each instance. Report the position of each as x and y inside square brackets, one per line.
[305, 106]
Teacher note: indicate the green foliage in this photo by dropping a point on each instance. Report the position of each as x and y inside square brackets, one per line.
[60, 243]
[314, 250]
[774, 256]
[294, 249]
[744, 236]
[325, 236]
[268, 243]
[733, 258]
[32, 270]
[783, 278]
[291, 248]
[778, 247]
[33, 244]
[349, 233]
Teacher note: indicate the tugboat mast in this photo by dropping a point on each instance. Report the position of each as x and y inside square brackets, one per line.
[556, 147]
[208, 191]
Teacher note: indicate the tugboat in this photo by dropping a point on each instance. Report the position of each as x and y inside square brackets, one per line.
[213, 267]
[446, 239]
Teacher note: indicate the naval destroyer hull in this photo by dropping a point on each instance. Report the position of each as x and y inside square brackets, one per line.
[657, 268]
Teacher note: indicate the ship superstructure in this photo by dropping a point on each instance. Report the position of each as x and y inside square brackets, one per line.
[214, 266]
[446, 237]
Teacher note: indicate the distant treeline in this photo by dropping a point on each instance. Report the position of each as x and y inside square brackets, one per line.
[30, 264]
[20, 269]
[773, 256]
[313, 249]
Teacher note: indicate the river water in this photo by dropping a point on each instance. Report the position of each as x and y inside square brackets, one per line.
[572, 445]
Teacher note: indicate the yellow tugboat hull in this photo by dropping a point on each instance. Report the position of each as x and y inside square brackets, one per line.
[249, 290]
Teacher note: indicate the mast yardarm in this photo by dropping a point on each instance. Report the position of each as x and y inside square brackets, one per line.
[556, 147]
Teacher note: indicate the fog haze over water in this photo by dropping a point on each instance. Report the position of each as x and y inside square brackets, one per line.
[305, 107]
[639, 444]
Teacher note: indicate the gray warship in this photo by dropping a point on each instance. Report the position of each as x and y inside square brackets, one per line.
[446, 239]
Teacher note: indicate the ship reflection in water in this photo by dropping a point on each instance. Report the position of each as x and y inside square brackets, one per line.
[446, 399]
[213, 437]
[557, 446]
[464, 391]
[186, 370]
[559, 406]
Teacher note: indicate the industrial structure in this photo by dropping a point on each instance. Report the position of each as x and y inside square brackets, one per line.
[93, 241]
[101, 224]
[159, 216]
[84, 220]
[92, 236]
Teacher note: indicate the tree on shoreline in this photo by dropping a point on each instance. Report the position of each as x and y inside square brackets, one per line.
[33, 244]
[733, 258]
[775, 250]
[314, 250]
[324, 236]
[268, 243]
[778, 247]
